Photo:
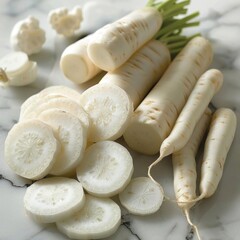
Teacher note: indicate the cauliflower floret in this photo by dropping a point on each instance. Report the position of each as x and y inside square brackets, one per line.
[27, 36]
[65, 22]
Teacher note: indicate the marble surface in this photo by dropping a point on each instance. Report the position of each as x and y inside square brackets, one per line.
[218, 217]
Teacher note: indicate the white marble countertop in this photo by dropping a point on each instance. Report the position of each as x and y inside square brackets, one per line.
[218, 217]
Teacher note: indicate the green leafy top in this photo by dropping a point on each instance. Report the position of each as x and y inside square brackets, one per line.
[175, 19]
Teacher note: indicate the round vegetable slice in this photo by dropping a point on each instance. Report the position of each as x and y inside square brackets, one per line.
[142, 196]
[106, 169]
[72, 136]
[110, 108]
[31, 149]
[14, 62]
[99, 218]
[53, 199]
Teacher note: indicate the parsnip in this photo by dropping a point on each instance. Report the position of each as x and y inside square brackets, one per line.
[154, 118]
[113, 44]
[208, 84]
[141, 72]
[75, 62]
[217, 145]
[184, 167]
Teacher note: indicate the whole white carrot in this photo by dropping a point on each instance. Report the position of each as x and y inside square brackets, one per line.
[141, 72]
[217, 145]
[154, 118]
[184, 167]
[75, 63]
[208, 84]
[115, 43]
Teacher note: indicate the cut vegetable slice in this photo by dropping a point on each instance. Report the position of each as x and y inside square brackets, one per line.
[14, 62]
[72, 136]
[99, 218]
[53, 199]
[60, 102]
[142, 196]
[110, 108]
[31, 149]
[17, 70]
[53, 90]
[106, 169]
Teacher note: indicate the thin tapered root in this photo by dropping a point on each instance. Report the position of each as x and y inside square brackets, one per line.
[150, 168]
[186, 213]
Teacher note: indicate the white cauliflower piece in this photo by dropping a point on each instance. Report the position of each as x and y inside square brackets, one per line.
[27, 36]
[65, 22]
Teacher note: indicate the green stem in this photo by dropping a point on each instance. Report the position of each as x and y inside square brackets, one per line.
[172, 12]
[177, 24]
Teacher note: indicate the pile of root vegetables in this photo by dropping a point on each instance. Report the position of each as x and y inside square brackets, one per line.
[156, 94]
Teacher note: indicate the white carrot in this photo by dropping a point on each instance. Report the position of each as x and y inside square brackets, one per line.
[217, 145]
[115, 43]
[75, 63]
[184, 167]
[155, 116]
[208, 84]
[141, 72]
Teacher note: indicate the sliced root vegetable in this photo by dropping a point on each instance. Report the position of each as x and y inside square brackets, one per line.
[17, 70]
[184, 167]
[208, 84]
[106, 169]
[31, 149]
[217, 145]
[99, 218]
[154, 118]
[72, 136]
[53, 199]
[60, 102]
[53, 90]
[109, 109]
[142, 196]
[127, 35]
[141, 72]
[75, 62]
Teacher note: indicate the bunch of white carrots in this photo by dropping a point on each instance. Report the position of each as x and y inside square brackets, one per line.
[171, 115]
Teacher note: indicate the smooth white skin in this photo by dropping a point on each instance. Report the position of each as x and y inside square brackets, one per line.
[217, 145]
[98, 219]
[65, 22]
[141, 72]
[31, 149]
[76, 64]
[207, 85]
[17, 70]
[113, 44]
[154, 118]
[53, 199]
[184, 164]
[27, 36]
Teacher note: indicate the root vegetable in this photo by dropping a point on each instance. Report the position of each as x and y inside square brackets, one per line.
[75, 62]
[208, 84]
[113, 44]
[217, 145]
[154, 118]
[141, 72]
[184, 167]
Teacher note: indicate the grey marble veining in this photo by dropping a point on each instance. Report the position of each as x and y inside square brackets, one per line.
[218, 217]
